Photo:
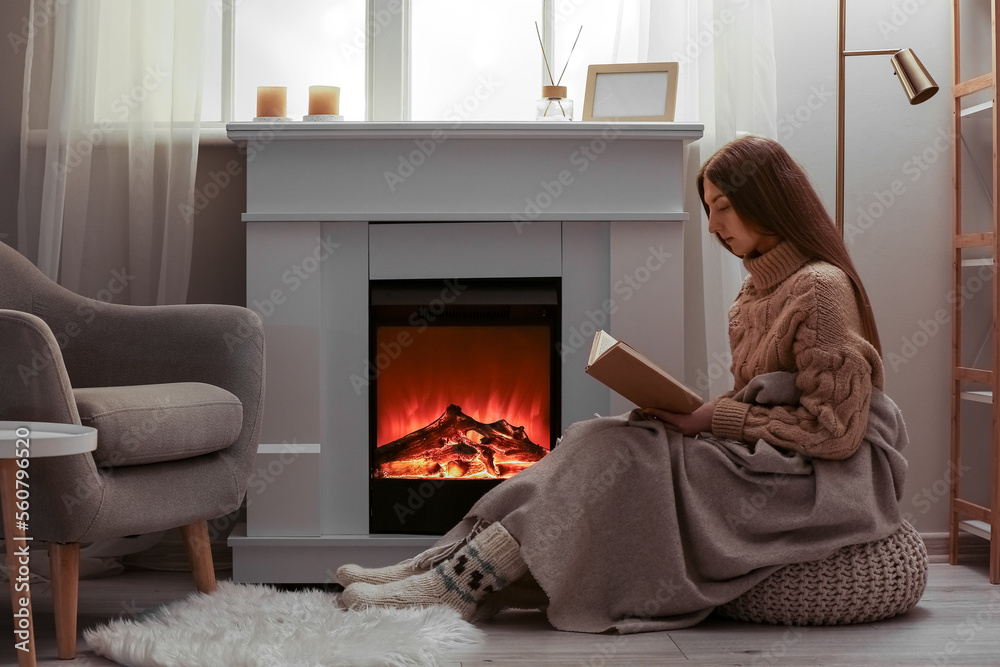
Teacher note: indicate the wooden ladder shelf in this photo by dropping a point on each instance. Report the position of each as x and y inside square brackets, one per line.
[981, 248]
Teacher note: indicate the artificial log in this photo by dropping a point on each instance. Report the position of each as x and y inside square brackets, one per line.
[457, 446]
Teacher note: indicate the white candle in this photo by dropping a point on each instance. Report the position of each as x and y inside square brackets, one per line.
[271, 101]
[324, 100]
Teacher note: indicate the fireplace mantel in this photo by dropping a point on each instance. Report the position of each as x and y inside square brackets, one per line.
[470, 171]
[243, 131]
[331, 206]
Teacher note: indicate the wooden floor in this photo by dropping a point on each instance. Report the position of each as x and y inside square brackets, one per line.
[956, 623]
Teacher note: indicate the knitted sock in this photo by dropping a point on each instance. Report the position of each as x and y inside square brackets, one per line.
[422, 562]
[349, 574]
[489, 562]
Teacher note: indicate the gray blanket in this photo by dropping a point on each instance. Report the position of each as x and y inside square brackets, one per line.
[628, 526]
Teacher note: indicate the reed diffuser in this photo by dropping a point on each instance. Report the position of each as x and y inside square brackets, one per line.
[554, 105]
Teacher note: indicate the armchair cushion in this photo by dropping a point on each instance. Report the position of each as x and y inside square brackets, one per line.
[142, 424]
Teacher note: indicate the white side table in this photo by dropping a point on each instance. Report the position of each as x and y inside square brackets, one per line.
[20, 442]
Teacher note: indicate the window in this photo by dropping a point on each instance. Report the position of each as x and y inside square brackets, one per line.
[610, 35]
[474, 60]
[300, 43]
[408, 59]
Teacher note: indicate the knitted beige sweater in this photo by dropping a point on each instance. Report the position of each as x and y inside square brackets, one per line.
[800, 315]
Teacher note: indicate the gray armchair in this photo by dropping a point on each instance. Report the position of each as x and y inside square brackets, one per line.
[175, 393]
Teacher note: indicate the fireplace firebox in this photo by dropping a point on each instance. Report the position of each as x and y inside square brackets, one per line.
[464, 393]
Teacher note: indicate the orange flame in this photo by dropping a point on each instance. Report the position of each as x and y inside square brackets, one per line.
[493, 373]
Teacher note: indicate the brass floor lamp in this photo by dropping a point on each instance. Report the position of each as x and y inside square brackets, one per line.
[917, 84]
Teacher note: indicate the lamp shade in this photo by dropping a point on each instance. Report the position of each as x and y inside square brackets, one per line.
[917, 83]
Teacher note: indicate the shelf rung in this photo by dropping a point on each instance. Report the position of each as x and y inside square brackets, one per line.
[978, 528]
[963, 88]
[973, 510]
[977, 375]
[978, 396]
[976, 240]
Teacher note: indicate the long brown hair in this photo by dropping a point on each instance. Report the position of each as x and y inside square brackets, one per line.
[772, 193]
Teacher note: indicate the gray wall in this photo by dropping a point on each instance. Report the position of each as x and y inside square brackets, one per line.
[903, 255]
[12, 14]
[218, 265]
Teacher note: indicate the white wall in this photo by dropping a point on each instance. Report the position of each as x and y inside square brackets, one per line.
[903, 250]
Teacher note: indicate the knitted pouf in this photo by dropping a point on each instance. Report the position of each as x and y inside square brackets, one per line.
[856, 584]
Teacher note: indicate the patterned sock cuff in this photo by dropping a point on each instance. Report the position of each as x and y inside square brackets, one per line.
[498, 553]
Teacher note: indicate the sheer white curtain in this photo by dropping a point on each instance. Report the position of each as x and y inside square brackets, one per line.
[109, 145]
[727, 82]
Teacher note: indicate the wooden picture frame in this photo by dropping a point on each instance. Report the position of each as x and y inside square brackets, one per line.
[631, 92]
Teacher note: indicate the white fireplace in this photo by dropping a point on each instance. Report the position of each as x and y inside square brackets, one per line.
[330, 207]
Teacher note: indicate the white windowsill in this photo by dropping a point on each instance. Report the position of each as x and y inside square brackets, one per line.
[214, 135]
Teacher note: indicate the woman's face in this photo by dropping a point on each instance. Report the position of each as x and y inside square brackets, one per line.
[739, 237]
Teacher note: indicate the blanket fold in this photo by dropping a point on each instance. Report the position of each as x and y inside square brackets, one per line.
[628, 526]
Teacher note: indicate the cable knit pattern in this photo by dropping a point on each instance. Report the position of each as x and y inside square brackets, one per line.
[860, 583]
[797, 315]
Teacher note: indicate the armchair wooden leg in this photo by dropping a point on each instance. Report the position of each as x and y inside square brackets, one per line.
[199, 551]
[64, 562]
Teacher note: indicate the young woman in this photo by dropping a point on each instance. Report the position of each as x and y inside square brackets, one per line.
[649, 520]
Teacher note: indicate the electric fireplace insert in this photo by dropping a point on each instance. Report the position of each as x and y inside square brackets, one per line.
[464, 393]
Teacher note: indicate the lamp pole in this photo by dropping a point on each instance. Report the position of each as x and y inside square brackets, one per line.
[841, 103]
[841, 62]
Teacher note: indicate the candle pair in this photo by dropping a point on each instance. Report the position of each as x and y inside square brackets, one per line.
[272, 101]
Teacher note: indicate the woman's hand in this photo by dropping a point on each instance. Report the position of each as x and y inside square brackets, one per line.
[692, 424]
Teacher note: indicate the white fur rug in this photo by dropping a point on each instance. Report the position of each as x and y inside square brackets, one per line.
[259, 626]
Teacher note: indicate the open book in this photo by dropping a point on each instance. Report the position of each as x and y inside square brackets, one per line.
[638, 379]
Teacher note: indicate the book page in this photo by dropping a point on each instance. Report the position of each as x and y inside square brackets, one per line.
[603, 341]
